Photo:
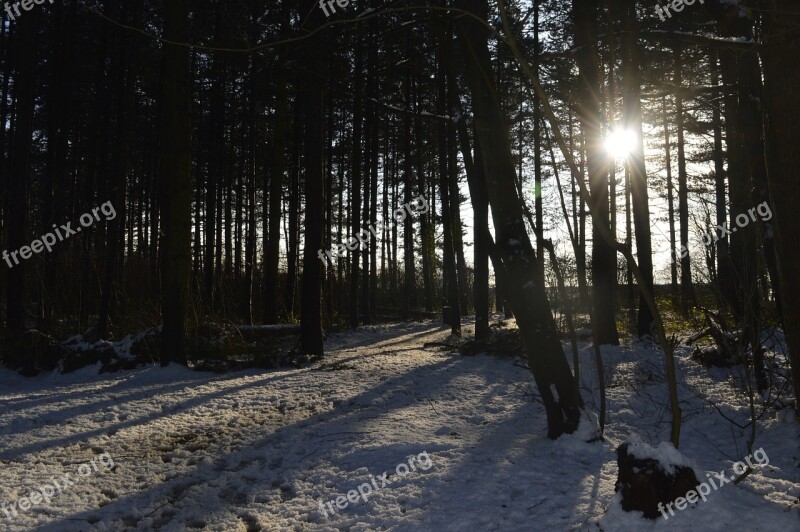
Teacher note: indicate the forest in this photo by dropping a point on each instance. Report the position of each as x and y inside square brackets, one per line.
[537, 259]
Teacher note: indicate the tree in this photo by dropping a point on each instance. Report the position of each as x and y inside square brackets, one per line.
[272, 229]
[604, 262]
[632, 97]
[526, 292]
[311, 97]
[17, 208]
[782, 103]
[175, 181]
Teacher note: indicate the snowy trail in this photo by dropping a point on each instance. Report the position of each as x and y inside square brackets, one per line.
[259, 450]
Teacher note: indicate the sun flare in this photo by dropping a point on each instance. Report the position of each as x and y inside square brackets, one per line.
[620, 143]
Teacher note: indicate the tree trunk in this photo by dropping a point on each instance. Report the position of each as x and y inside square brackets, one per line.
[293, 240]
[782, 102]
[747, 170]
[674, 256]
[480, 230]
[687, 289]
[17, 207]
[215, 169]
[632, 95]
[526, 291]
[176, 182]
[115, 229]
[537, 148]
[275, 186]
[311, 98]
[724, 274]
[449, 274]
[355, 184]
[604, 262]
[409, 296]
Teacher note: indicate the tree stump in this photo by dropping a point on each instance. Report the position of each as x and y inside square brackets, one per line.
[649, 476]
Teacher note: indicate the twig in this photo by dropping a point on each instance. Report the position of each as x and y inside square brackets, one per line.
[159, 507]
[539, 503]
[431, 403]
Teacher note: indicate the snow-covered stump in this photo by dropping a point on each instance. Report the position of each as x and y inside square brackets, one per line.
[651, 476]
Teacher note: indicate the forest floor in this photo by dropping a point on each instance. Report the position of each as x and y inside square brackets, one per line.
[260, 450]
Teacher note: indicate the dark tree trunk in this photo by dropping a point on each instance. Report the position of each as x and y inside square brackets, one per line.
[252, 168]
[537, 148]
[782, 102]
[674, 255]
[409, 296]
[687, 288]
[176, 172]
[724, 274]
[604, 263]
[311, 98]
[526, 291]
[449, 274]
[632, 94]
[17, 207]
[272, 220]
[747, 172]
[115, 229]
[215, 168]
[293, 240]
[59, 120]
[371, 134]
[355, 185]
[426, 220]
[481, 236]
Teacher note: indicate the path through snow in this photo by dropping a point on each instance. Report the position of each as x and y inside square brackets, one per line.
[259, 450]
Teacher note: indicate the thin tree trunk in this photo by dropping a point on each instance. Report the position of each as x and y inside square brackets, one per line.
[537, 147]
[252, 166]
[409, 296]
[355, 184]
[724, 274]
[449, 274]
[687, 289]
[673, 263]
[293, 241]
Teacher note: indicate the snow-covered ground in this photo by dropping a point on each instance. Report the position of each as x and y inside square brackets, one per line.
[261, 450]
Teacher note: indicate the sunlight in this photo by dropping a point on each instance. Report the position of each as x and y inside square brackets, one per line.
[620, 143]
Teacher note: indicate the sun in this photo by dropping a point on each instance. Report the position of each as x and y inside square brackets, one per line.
[620, 143]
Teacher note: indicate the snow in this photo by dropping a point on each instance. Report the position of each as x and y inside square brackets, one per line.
[665, 454]
[261, 449]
